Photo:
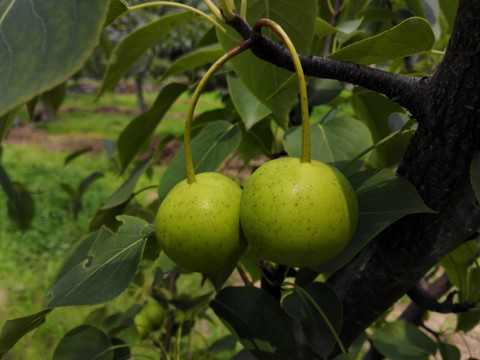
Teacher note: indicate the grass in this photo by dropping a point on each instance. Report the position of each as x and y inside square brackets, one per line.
[28, 261]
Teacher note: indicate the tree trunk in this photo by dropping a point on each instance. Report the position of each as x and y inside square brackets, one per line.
[437, 163]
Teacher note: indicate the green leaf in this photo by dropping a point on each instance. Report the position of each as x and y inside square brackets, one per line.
[72, 156]
[209, 148]
[448, 351]
[20, 204]
[383, 198]
[6, 121]
[107, 270]
[322, 91]
[375, 110]
[412, 36]
[336, 142]
[76, 255]
[459, 272]
[43, 44]
[323, 28]
[227, 342]
[139, 130]
[297, 18]
[466, 321]
[107, 217]
[54, 97]
[257, 321]
[257, 140]
[449, 10]
[379, 14]
[475, 174]
[116, 9]
[15, 329]
[125, 191]
[84, 185]
[249, 108]
[84, 342]
[135, 44]
[400, 340]
[194, 59]
[315, 328]
[31, 105]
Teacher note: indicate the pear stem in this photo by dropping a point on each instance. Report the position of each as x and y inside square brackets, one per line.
[306, 152]
[193, 102]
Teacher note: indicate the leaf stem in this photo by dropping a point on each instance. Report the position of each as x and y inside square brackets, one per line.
[228, 8]
[174, 4]
[324, 316]
[215, 10]
[193, 102]
[306, 152]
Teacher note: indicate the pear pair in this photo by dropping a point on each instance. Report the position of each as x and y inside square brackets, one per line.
[291, 212]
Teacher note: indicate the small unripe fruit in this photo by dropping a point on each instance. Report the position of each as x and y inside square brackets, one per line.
[156, 313]
[143, 324]
[298, 214]
[198, 226]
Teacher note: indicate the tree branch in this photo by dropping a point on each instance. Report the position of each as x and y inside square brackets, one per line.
[406, 91]
[422, 298]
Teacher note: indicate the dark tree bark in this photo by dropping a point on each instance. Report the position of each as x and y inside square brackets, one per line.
[447, 108]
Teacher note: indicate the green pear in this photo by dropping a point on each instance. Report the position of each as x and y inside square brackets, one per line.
[298, 214]
[198, 226]
[156, 312]
[143, 324]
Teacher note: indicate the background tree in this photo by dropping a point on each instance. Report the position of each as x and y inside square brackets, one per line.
[411, 220]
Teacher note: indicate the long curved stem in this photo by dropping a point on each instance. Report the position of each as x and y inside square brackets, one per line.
[182, 6]
[306, 152]
[193, 102]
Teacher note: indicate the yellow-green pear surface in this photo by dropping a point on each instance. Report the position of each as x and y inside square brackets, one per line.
[198, 226]
[298, 214]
